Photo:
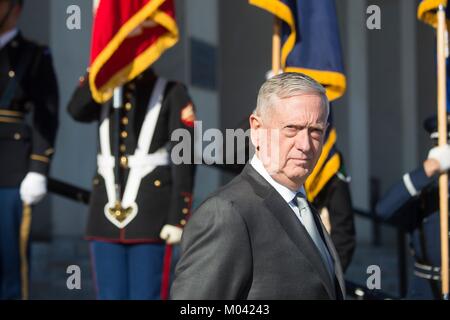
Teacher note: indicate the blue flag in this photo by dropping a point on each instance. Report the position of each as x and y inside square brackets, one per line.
[311, 45]
[310, 40]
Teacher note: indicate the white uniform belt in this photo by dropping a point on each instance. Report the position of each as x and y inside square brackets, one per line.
[105, 162]
[158, 158]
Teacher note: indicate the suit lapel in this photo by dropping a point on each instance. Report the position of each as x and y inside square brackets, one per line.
[293, 227]
[337, 265]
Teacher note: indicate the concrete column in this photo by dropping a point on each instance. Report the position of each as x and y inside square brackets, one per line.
[358, 105]
[202, 19]
[74, 160]
[408, 88]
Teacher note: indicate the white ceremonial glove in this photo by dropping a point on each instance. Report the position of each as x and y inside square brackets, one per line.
[33, 188]
[171, 234]
[442, 155]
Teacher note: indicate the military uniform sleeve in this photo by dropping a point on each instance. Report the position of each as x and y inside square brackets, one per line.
[45, 113]
[342, 221]
[401, 193]
[182, 116]
[82, 107]
[216, 257]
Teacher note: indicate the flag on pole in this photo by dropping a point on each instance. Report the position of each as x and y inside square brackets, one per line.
[310, 40]
[311, 45]
[426, 12]
[435, 13]
[128, 37]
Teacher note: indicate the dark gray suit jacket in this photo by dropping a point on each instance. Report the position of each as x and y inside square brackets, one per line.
[245, 242]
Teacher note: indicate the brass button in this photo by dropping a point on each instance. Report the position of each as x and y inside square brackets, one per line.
[131, 86]
[11, 74]
[17, 136]
[128, 106]
[124, 121]
[183, 222]
[186, 199]
[129, 95]
[123, 148]
[157, 183]
[123, 161]
[185, 211]
[124, 134]
[95, 181]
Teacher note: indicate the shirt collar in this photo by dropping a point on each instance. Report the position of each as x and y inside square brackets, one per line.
[7, 37]
[287, 194]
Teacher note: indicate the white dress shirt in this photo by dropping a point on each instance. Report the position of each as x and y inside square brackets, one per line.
[287, 194]
[307, 221]
[7, 37]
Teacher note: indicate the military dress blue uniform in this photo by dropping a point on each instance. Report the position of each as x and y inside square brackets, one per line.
[27, 86]
[413, 204]
[130, 260]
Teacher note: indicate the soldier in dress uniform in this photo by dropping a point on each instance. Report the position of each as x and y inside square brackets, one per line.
[334, 204]
[413, 204]
[28, 125]
[130, 240]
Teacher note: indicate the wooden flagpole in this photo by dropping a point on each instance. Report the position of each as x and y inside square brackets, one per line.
[276, 46]
[442, 131]
[25, 227]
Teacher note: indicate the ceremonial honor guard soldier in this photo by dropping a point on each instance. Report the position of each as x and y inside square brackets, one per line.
[28, 89]
[130, 236]
[413, 204]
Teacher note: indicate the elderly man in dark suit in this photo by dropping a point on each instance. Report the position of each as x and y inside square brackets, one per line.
[258, 237]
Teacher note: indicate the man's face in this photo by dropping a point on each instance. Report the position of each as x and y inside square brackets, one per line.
[13, 18]
[297, 128]
[4, 6]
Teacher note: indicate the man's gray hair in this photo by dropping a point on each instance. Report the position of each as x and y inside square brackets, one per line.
[287, 85]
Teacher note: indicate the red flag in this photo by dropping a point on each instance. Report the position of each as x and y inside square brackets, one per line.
[128, 37]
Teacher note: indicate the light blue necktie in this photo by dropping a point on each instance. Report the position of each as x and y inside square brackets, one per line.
[306, 216]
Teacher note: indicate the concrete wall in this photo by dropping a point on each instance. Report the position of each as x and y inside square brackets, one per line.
[223, 54]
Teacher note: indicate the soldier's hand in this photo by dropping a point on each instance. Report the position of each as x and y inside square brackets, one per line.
[171, 234]
[33, 188]
[442, 155]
